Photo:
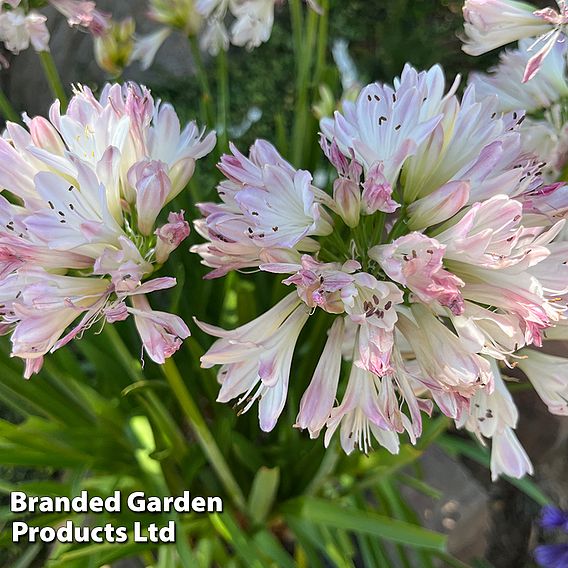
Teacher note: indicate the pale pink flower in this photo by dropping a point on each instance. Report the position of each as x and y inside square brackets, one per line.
[493, 23]
[77, 242]
[508, 456]
[472, 144]
[439, 205]
[504, 80]
[319, 398]
[382, 126]
[359, 416]
[162, 334]
[440, 354]
[267, 205]
[256, 359]
[377, 192]
[415, 261]
[347, 187]
[493, 415]
[170, 236]
[427, 297]
[152, 185]
[82, 13]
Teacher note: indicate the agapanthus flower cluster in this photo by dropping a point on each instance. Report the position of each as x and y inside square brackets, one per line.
[544, 98]
[490, 24]
[251, 26]
[22, 26]
[435, 252]
[79, 230]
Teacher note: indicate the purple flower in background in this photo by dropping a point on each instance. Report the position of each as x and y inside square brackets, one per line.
[552, 555]
[554, 518]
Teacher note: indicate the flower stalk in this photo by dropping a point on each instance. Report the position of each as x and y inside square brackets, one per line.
[53, 78]
[203, 434]
[6, 109]
[206, 97]
[304, 44]
[222, 100]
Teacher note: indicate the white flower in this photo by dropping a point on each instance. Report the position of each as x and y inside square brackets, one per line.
[146, 47]
[253, 24]
[359, 416]
[319, 398]
[548, 375]
[504, 80]
[18, 30]
[256, 359]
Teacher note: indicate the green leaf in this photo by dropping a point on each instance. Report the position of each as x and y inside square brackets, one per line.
[104, 553]
[263, 493]
[28, 557]
[229, 530]
[268, 543]
[333, 515]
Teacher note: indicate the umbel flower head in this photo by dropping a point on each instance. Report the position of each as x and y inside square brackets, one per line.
[79, 230]
[251, 24]
[424, 254]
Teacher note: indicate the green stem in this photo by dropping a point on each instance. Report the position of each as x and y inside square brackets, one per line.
[326, 468]
[7, 109]
[564, 174]
[223, 99]
[323, 33]
[297, 25]
[304, 47]
[379, 220]
[399, 227]
[131, 366]
[203, 434]
[53, 78]
[203, 79]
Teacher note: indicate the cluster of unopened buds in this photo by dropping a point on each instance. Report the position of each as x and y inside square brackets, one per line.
[78, 238]
[439, 255]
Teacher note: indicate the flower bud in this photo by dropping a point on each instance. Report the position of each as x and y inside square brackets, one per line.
[180, 14]
[170, 236]
[113, 49]
[377, 192]
[347, 195]
[45, 136]
[152, 185]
